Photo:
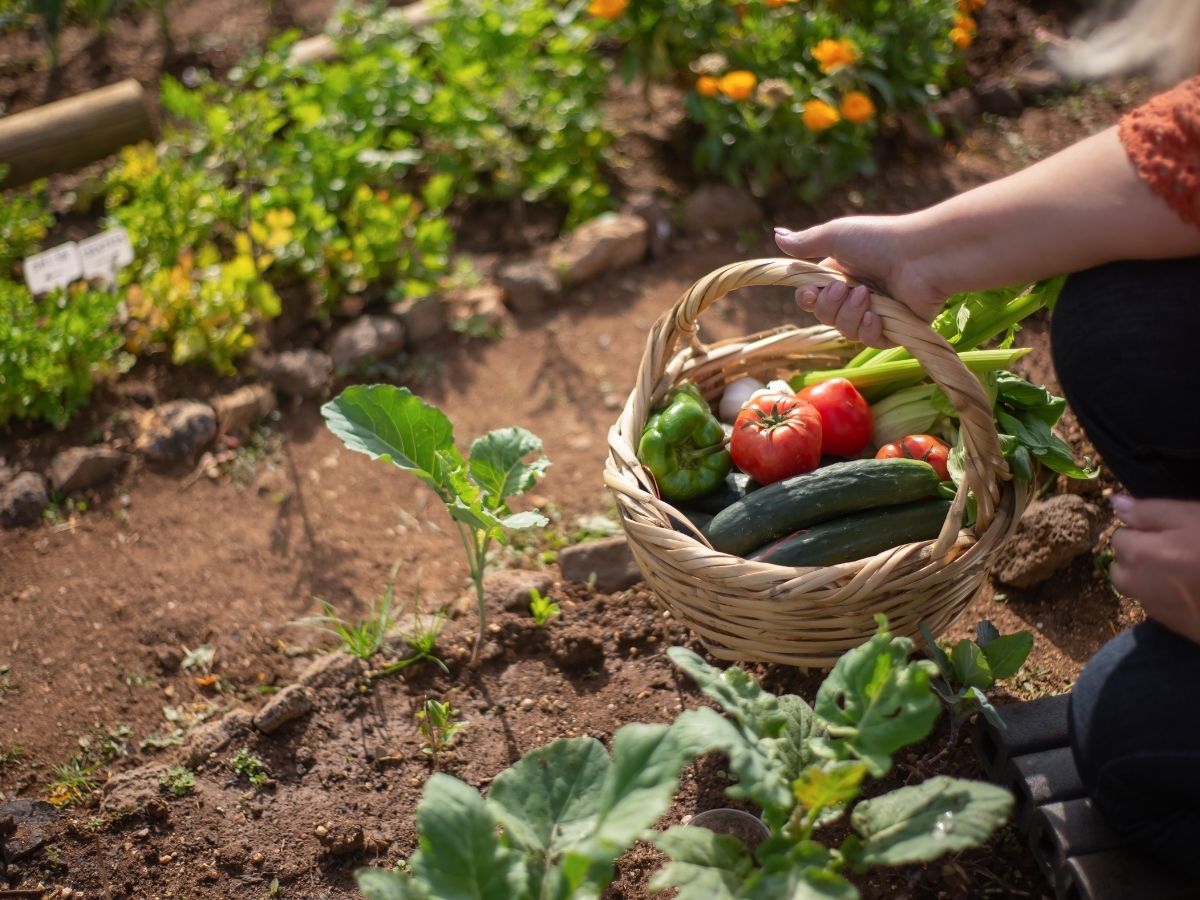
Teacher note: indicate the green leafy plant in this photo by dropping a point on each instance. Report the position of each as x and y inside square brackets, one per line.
[179, 780]
[73, 781]
[55, 349]
[24, 219]
[969, 667]
[11, 755]
[246, 765]
[361, 639]
[396, 426]
[422, 639]
[553, 824]
[542, 608]
[436, 722]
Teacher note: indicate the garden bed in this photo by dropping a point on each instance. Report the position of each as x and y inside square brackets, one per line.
[103, 605]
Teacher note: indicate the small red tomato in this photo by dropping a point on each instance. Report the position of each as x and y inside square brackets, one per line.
[846, 420]
[919, 446]
[776, 435]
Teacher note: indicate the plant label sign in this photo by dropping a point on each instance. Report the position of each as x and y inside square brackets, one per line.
[105, 254]
[53, 268]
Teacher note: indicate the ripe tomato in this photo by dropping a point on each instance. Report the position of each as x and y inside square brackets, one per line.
[846, 420]
[919, 446]
[776, 435]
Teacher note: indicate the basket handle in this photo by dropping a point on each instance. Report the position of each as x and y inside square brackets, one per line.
[982, 458]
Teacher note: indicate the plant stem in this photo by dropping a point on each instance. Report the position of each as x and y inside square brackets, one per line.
[476, 543]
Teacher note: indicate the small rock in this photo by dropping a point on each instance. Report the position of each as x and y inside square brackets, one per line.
[480, 311]
[22, 500]
[135, 790]
[424, 318]
[84, 467]
[998, 97]
[301, 373]
[604, 244]
[721, 207]
[364, 339]
[575, 650]
[238, 410]
[176, 430]
[215, 735]
[1051, 535]
[529, 283]
[25, 826]
[610, 560]
[527, 704]
[292, 703]
[341, 839]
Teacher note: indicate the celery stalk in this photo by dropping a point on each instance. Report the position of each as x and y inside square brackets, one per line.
[891, 373]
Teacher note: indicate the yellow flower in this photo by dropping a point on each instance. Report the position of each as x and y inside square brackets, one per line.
[738, 85]
[819, 115]
[832, 54]
[607, 9]
[962, 37]
[707, 86]
[857, 107]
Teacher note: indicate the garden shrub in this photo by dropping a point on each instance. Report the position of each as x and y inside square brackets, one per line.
[53, 349]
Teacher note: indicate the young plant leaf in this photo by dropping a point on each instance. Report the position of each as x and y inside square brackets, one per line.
[829, 787]
[393, 424]
[759, 777]
[980, 702]
[919, 823]
[497, 463]
[461, 855]
[985, 633]
[380, 884]
[734, 691]
[875, 701]
[971, 667]
[549, 800]
[936, 653]
[1006, 654]
[798, 872]
[704, 865]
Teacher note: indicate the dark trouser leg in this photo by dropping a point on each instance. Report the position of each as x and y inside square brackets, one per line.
[1124, 339]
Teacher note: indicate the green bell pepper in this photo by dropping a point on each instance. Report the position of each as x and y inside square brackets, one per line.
[684, 446]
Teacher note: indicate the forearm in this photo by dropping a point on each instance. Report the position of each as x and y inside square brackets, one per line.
[1079, 208]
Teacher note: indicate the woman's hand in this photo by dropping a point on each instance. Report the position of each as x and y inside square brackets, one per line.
[875, 249]
[1156, 560]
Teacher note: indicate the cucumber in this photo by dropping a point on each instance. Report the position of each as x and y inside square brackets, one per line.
[858, 535]
[785, 506]
[735, 486]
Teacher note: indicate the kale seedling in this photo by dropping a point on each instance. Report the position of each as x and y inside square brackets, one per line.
[543, 608]
[435, 721]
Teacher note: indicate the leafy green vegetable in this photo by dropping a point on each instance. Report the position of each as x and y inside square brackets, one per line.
[972, 667]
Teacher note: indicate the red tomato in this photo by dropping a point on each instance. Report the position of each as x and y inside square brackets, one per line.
[919, 446]
[776, 435]
[846, 420]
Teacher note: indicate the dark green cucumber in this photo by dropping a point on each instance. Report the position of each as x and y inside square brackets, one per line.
[735, 486]
[826, 493]
[858, 535]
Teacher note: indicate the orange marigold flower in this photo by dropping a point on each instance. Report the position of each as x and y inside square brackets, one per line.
[970, 6]
[738, 85]
[963, 21]
[832, 54]
[819, 115]
[707, 86]
[962, 37]
[775, 4]
[857, 107]
[607, 9]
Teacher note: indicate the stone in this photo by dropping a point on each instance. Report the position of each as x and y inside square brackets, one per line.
[239, 410]
[720, 207]
[25, 826]
[176, 430]
[424, 318]
[575, 650]
[480, 311]
[216, 735]
[341, 839]
[136, 790]
[998, 97]
[301, 373]
[367, 338]
[610, 560]
[22, 500]
[604, 244]
[507, 589]
[1052, 534]
[530, 284]
[292, 703]
[84, 467]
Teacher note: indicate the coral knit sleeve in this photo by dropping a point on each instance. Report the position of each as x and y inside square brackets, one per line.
[1162, 138]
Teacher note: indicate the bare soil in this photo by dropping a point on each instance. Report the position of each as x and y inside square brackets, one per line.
[99, 610]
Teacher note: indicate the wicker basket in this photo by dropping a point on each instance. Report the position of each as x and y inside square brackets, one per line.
[747, 610]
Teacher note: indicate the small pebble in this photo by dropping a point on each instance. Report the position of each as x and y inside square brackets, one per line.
[322, 831]
[527, 704]
[164, 859]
